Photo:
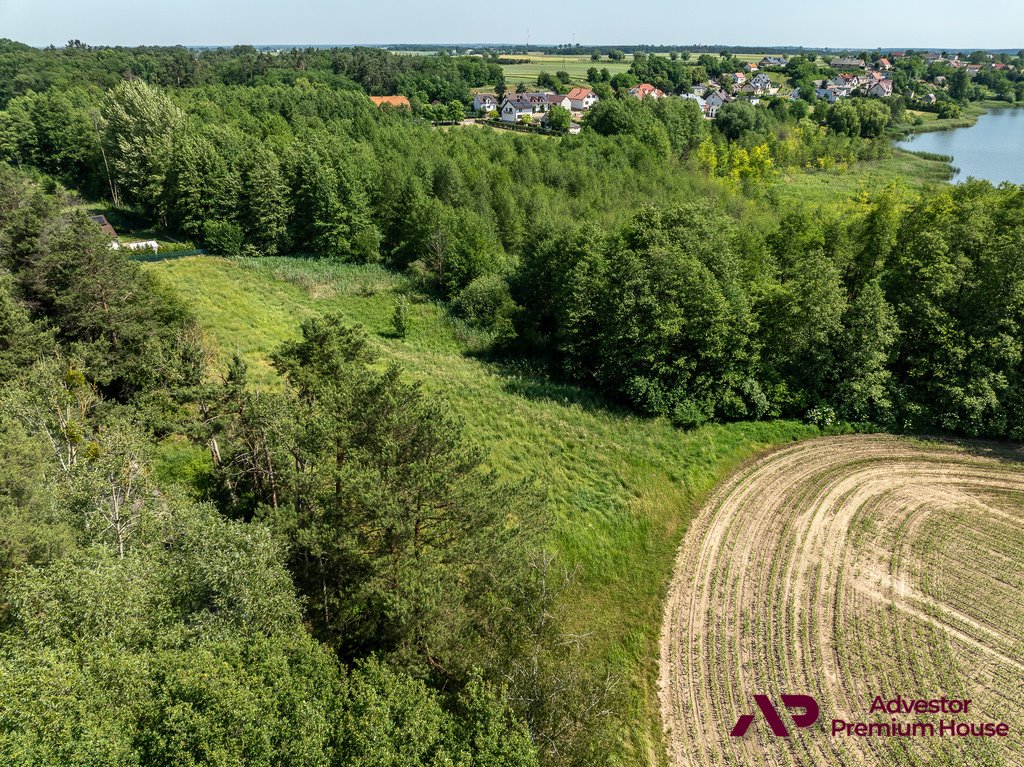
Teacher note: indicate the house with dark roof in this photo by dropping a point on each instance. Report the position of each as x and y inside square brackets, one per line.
[104, 225]
[773, 61]
[516, 108]
[846, 63]
[485, 102]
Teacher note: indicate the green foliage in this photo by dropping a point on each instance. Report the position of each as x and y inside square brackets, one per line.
[559, 118]
[223, 237]
[487, 303]
[140, 128]
[400, 544]
[400, 319]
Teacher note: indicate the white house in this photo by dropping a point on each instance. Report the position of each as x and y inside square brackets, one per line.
[881, 89]
[715, 100]
[515, 108]
[582, 99]
[485, 102]
[699, 101]
[557, 100]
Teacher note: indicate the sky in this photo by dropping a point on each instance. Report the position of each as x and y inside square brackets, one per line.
[939, 24]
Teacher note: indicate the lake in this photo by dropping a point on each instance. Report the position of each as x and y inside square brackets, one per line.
[992, 149]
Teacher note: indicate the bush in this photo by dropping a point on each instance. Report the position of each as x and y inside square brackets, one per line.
[400, 319]
[223, 238]
[487, 303]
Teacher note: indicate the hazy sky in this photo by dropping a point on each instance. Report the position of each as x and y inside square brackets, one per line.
[952, 24]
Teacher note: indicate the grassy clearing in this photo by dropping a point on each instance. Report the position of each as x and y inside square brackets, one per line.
[830, 187]
[129, 226]
[621, 489]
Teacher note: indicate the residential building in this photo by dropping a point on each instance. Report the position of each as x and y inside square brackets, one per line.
[399, 102]
[582, 99]
[846, 63]
[559, 100]
[881, 89]
[485, 102]
[515, 107]
[646, 90]
[715, 100]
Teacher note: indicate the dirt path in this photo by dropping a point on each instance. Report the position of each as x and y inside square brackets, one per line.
[846, 568]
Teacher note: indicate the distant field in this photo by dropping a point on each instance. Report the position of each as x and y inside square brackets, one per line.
[621, 489]
[577, 66]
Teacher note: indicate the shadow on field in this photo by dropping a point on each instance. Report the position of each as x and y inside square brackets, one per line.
[537, 387]
[1007, 452]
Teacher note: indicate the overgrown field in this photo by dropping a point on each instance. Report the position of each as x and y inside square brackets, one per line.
[621, 489]
[845, 185]
[846, 568]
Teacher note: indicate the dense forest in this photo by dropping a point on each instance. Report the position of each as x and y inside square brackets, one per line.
[644, 257]
[348, 584]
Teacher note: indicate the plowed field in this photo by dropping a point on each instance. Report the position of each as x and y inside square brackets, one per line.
[846, 568]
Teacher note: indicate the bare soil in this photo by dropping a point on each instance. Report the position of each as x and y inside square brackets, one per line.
[846, 568]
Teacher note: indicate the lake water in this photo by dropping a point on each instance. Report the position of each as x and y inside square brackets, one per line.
[992, 149]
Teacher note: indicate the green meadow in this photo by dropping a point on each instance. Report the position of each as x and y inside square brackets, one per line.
[620, 489]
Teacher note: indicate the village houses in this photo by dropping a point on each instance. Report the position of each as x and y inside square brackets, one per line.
[526, 107]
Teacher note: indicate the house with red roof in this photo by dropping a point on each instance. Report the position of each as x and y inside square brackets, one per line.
[582, 99]
[398, 102]
[646, 90]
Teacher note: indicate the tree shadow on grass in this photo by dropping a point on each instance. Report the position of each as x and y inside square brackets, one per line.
[541, 387]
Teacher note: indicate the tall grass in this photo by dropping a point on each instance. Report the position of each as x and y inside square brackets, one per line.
[620, 489]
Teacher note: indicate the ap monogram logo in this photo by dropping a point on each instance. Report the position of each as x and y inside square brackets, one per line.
[771, 714]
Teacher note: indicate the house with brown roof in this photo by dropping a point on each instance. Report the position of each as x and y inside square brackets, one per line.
[104, 225]
[398, 102]
[582, 99]
[557, 100]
